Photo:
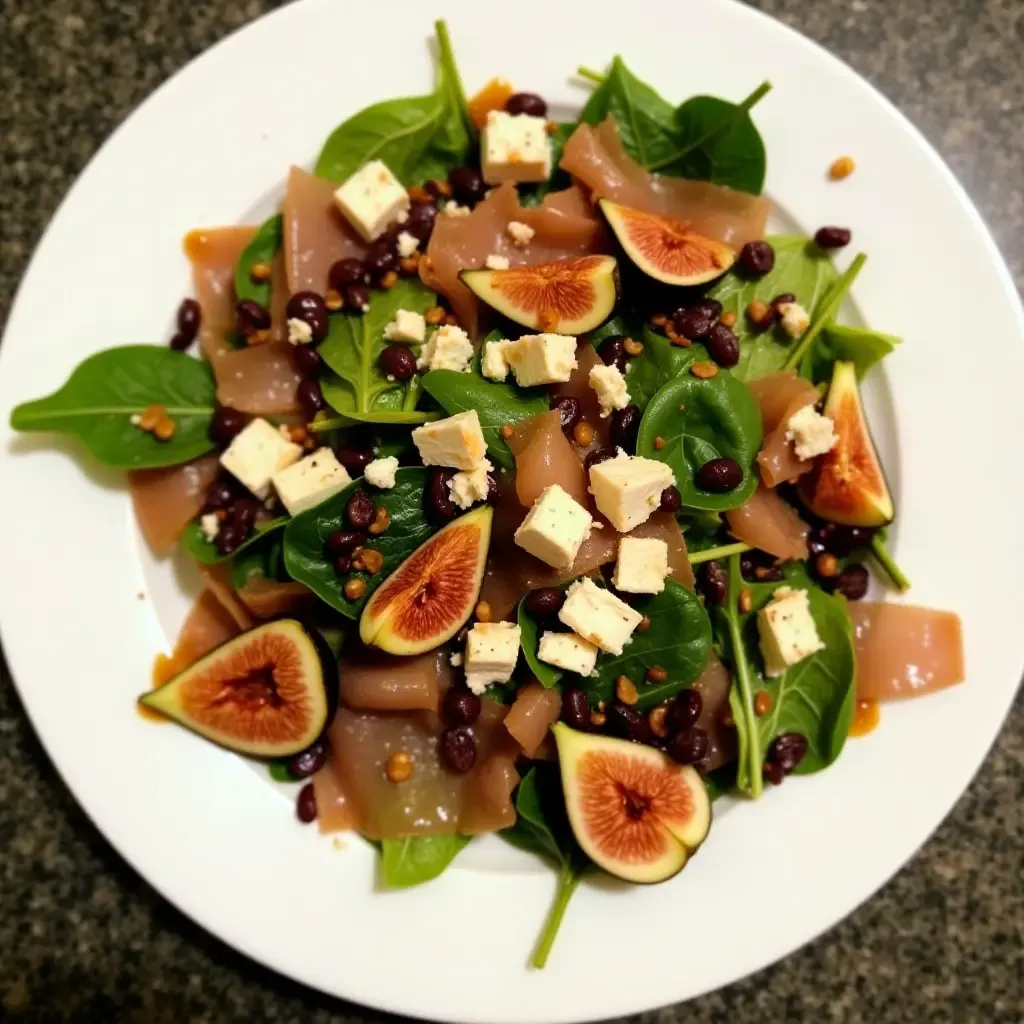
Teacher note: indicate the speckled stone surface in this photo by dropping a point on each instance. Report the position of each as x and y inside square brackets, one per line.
[82, 938]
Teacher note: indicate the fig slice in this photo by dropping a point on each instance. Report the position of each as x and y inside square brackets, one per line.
[665, 248]
[634, 811]
[847, 484]
[269, 692]
[429, 597]
[570, 296]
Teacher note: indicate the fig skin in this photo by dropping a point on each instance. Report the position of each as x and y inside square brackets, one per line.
[275, 714]
[847, 484]
[636, 813]
[665, 249]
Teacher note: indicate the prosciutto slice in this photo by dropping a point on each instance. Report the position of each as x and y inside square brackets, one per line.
[166, 500]
[595, 156]
[779, 396]
[766, 522]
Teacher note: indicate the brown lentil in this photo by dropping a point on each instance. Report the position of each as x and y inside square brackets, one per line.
[704, 370]
[625, 690]
[410, 264]
[678, 339]
[506, 431]
[164, 430]
[656, 674]
[482, 612]
[583, 434]
[381, 521]
[434, 315]
[659, 320]
[389, 280]
[643, 625]
[656, 720]
[333, 300]
[633, 347]
[399, 767]
[760, 314]
[746, 602]
[762, 703]
[598, 719]
[367, 559]
[729, 319]
[659, 442]
[355, 588]
[826, 565]
[151, 416]
[260, 271]
[418, 194]
[258, 338]
[842, 168]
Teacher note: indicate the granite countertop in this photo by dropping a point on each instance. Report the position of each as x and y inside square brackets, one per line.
[84, 938]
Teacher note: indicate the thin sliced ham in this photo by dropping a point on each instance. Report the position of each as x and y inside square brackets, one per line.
[532, 714]
[267, 599]
[218, 582]
[208, 625]
[595, 156]
[545, 457]
[905, 651]
[766, 522]
[564, 225]
[166, 500]
[713, 686]
[779, 396]
[374, 681]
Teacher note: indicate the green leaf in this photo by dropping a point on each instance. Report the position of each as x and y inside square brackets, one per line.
[357, 387]
[194, 541]
[263, 555]
[98, 401]
[417, 859]
[529, 639]
[678, 640]
[858, 345]
[802, 269]
[278, 771]
[265, 245]
[661, 362]
[700, 419]
[305, 535]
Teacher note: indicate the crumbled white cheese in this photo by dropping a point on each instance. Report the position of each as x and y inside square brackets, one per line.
[407, 326]
[811, 433]
[455, 659]
[568, 651]
[554, 528]
[520, 233]
[515, 147]
[787, 631]
[299, 332]
[609, 385]
[381, 472]
[541, 358]
[642, 565]
[136, 418]
[457, 441]
[494, 365]
[210, 526]
[599, 616]
[256, 454]
[310, 481]
[492, 649]
[496, 262]
[449, 348]
[795, 319]
[470, 485]
[453, 209]
[628, 488]
[407, 244]
[371, 199]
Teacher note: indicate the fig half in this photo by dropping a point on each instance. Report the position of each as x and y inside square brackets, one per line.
[847, 484]
[634, 811]
[429, 597]
[570, 296]
[665, 248]
[267, 693]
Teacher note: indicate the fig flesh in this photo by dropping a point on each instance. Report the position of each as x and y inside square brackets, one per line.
[428, 598]
[847, 484]
[268, 693]
[570, 296]
[634, 811]
[665, 248]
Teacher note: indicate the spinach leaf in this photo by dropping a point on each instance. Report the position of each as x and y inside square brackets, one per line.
[278, 771]
[678, 640]
[887, 563]
[661, 362]
[858, 345]
[100, 397]
[194, 541]
[265, 245]
[800, 268]
[529, 638]
[417, 859]
[497, 403]
[305, 535]
[358, 388]
[263, 555]
[542, 827]
[699, 420]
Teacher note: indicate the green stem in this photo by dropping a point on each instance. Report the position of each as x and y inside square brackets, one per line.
[739, 111]
[335, 423]
[447, 56]
[590, 75]
[886, 561]
[720, 552]
[742, 669]
[832, 302]
[568, 879]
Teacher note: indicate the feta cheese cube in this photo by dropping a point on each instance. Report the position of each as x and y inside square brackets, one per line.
[299, 332]
[627, 489]
[795, 319]
[642, 565]
[494, 365]
[381, 472]
[520, 233]
[315, 478]
[453, 209]
[599, 616]
[515, 147]
[492, 649]
[568, 651]
[371, 199]
[407, 244]
[787, 631]
[811, 433]
[541, 358]
[449, 348]
[609, 385]
[210, 526]
[471, 485]
[554, 528]
[256, 454]
[456, 441]
[407, 326]
[496, 262]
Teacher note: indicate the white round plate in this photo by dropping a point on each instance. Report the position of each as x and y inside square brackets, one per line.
[83, 610]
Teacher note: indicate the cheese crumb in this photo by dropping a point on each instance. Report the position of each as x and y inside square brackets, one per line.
[381, 472]
[599, 616]
[407, 326]
[795, 319]
[514, 147]
[455, 659]
[494, 365]
[210, 526]
[787, 631]
[496, 262]
[407, 244]
[811, 433]
[541, 358]
[470, 486]
[452, 209]
[299, 332]
[457, 441]
[610, 387]
[492, 649]
[310, 481]
[568, 651]
[520, 233]
[449, 348]
[256, 454]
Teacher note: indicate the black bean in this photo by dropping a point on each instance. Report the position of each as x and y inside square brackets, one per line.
[832, 238]
[360, 510]
[226, 424]
[597, 456]
[692, 322]
[671, 500]
[347, 271]
[357, 298]
[526, 103]
[380, 259]
[309, 761]
[305, 806]
[688, 746]
[460, 706]
[569, 411]
[613, 352]
[438, 495]
[307, 360]
[467, 184]
[188, 319]
[342, 564]
[544, 602]
[310, 309]
[230, 537]
[623, 427]
[853, 582]
[244, 513]
[397, 361]
[723, 346]
[780, 299]
[180, 342]
[787, 750]
[220, 495]
[714, 583]
[434, 188]
[719, 476]
[310, 397]
[355, 460]
[458, 750]
[772, 773]
[842, 540]
[684, 711]
[341, 542]
[757, 258]
[625, 721]
[420, 222]
[250, 316]
[576, 708]
[711, 308]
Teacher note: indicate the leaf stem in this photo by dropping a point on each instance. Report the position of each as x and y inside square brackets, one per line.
[589, 75]
[335, 423]
[828, 310]
[888, 563]
[568, 879]
[742, 669]
[447, 56]
[720, 552]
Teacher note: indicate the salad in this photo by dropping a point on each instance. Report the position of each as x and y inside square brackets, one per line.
[529, 480]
